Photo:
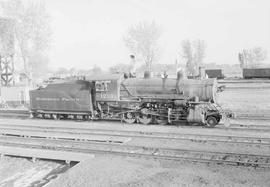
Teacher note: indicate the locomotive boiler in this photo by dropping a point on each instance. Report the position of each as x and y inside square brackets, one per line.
[204, 89]
[134, 100]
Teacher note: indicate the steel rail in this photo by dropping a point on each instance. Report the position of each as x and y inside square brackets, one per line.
[156, 153]
[20, 130]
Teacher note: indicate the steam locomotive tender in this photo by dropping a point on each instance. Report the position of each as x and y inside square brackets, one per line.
[146, 101]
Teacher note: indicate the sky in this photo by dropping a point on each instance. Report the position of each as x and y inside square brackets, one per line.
[90, 32]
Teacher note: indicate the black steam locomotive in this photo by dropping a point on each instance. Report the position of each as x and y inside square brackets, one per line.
[146, 101]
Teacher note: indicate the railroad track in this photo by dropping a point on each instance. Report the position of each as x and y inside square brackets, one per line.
[247, 128]
[19, 112]
[25, 114]
[263, 116]
[243, 81]
[14, 113]
[140, 151]
[256, 127]
[233, 127]
[104, 141]
[122, 135]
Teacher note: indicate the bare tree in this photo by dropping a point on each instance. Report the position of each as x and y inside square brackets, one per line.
[6, 37]
[32, 30]
[199, 51]
[96, 69]
[252, 57]
[241, 60]
[259, 54]
[38, 63]
[143, 41]
[61, 71]
[193, 53]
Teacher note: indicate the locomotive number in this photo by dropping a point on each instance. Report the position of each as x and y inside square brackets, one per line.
[105, 95]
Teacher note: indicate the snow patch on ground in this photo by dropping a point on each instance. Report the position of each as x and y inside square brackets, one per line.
[21, 172]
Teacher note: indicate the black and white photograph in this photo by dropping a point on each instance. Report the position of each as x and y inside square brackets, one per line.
[134, 93]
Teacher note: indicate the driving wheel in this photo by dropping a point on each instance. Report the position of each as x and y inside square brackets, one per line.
[129, 117]
[145, 119]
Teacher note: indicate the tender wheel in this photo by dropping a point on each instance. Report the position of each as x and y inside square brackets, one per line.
[33, 115]
[129, 117]
[85, 117]
[64, 116]
[55, 116]
[79, 117]
[145, 119]
[211, 121]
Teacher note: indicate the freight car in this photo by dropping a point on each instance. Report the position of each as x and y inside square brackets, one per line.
[249, 73]
[159, 101]
[214, 73]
